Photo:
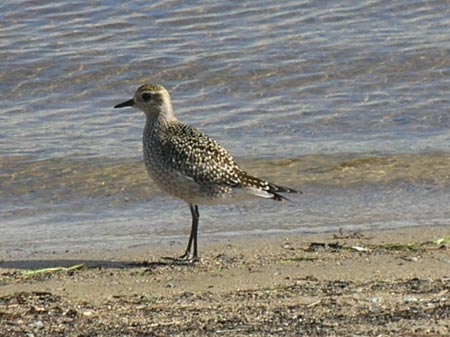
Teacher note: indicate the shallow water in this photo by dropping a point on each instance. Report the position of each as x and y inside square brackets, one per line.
[348, 102]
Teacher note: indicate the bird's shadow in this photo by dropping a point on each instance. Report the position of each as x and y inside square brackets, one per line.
[90, 264]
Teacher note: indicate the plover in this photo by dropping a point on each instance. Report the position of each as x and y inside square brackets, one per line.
[189, 165]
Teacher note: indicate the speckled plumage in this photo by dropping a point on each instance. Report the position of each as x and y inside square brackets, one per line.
[188, 164]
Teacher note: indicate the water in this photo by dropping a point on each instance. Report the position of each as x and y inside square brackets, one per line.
[346, 101]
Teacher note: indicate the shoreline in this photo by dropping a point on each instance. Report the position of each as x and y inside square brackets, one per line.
[372, 283]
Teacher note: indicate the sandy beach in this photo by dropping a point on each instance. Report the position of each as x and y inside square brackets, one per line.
[386, 283]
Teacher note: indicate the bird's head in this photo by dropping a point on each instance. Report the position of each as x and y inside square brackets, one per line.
[153, 99]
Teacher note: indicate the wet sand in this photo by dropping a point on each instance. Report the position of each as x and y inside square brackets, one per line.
[386, 283]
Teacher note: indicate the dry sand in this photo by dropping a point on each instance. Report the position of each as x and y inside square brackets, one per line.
[386, 283]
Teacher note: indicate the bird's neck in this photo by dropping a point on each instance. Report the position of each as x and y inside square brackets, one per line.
[161, 117]
[159, 122]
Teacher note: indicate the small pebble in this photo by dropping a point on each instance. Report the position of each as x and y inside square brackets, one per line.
[37, 325]
[410, 299]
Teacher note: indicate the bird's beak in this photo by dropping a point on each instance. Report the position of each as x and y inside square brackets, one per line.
[130, 102]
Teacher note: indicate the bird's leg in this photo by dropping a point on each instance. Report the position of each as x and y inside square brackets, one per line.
[193, 236]
[196, 217]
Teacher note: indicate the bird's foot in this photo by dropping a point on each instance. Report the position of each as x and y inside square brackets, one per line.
[186, 258]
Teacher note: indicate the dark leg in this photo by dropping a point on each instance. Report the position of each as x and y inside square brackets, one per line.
[193, 236]
[196, 216]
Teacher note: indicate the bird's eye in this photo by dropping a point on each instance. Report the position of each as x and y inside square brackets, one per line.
[146, 96]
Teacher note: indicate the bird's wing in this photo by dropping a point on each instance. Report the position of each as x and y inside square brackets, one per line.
[200, 157]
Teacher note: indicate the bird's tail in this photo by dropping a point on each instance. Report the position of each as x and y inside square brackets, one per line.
[265, 189]
[275, 190]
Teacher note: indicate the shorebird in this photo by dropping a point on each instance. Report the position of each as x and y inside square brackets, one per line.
[189, 165]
